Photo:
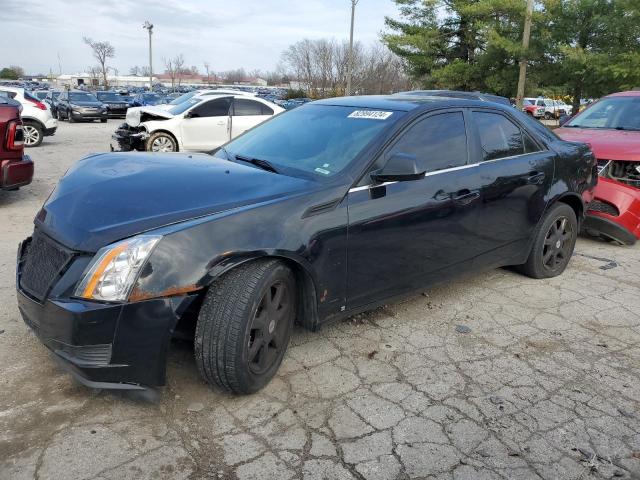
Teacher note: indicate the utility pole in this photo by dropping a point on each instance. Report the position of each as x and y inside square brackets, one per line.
[149, 26]
[350, 63]
[522, 77]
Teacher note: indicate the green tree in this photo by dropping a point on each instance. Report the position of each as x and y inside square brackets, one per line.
[594, 46]
[461, 44]
[12, 73]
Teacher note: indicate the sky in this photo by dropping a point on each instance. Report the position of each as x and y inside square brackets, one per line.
[226, 33]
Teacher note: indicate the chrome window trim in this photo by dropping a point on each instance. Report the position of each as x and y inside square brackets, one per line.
[445, 170]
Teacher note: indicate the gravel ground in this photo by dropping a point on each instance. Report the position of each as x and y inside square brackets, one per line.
[492, 376]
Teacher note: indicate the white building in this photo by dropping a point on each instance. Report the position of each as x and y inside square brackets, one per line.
[75, 80]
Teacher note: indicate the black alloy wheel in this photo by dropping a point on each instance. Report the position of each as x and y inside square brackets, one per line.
[558, 244]
[553, 243]
[244, 325]
[267, 336]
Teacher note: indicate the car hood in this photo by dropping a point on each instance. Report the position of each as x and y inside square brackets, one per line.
[606, 144]
[136, 115]
[107, 197]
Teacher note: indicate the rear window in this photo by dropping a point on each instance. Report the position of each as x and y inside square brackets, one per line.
[28, 96]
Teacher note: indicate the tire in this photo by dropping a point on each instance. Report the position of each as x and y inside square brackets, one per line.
[555, 239]
[161, 142]
[70, 117]
[235, 318]
[58, 116]
[33, 133]
[548, 116]
[103, 120]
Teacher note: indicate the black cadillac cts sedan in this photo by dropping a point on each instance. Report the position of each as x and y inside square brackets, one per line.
[322, 212]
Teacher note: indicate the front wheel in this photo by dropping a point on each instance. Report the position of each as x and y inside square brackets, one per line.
[32, 134]
[553, 244]
[244, 326]
[70, 117]
[161, 142]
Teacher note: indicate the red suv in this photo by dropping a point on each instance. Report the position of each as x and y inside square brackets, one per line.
[612, 127]
[16, 168]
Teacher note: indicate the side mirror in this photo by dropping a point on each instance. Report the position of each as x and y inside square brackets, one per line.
[191, 114]
[564, 119]
[401, 167]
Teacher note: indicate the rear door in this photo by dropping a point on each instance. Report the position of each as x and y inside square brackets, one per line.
[248, 113]
[405, 235]
[516, 173]
[207, 125]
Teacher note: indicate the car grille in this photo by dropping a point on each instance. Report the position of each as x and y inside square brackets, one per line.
[43, 261]
[604, 207]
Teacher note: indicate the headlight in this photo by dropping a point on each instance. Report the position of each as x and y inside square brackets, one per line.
[114, 269]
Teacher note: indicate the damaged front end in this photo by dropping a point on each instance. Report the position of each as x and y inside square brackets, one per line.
[132, 135]
[130, 138]
[614, 213]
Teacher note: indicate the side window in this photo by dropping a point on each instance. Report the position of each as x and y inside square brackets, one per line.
[243, 107]
[499, 136]
[439, 140]
[214, 108]
[529, 145]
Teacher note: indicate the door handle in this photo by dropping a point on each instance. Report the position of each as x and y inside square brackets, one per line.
[465, 197]
[222, 123]
[535, 178]
[441, 196]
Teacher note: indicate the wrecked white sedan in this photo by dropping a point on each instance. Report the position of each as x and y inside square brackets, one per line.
[200, 124]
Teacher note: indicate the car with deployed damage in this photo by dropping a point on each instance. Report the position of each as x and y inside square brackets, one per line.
[322, 212]
[16, 168]
[200, 123]
[612, 127]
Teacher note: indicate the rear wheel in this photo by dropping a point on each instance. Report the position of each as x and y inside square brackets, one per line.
[553, 245]
[32, 134]
[244, 326]
[161, 142]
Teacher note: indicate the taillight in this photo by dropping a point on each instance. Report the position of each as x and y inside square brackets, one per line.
[37, 103]
[15, 135]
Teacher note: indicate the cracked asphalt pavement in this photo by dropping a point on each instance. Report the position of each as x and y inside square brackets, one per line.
[493, 376]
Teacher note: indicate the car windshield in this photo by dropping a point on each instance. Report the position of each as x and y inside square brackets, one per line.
[184, 106]
[82, 97]
[527, 102]
[320, 140]
[621, 113]
[110, 97]
[182, 98]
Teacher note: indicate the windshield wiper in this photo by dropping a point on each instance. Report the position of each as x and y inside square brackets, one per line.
[263, 164]
[630, 129]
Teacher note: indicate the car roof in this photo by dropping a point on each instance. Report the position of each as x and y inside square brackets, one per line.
[628, 93]
[12, 89]
[403, 103]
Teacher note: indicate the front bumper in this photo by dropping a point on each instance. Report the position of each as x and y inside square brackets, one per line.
[89, 115]
[128, 140]
[621, 221]
[15, 173]
[117, 346]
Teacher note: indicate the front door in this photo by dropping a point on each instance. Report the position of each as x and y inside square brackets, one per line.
[207, 126]
[405, 235]
[248, 113]
[516, 174]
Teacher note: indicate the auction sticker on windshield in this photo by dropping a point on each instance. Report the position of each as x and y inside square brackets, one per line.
[370, 114]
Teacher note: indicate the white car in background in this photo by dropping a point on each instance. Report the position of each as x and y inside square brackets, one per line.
[199, 124]
[36, 115]
[552, 108]
[201, 93]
